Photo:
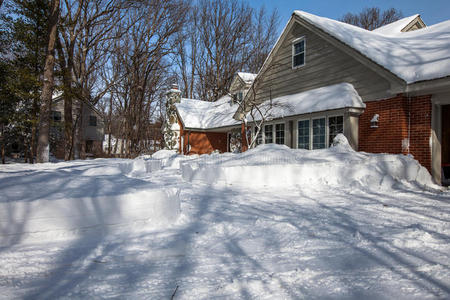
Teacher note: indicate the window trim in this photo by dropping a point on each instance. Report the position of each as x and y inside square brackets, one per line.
[264, 133]
[90, 123]
[274, 134]
[297, 40]
[309, 131]
[328, 125]
[327, 128]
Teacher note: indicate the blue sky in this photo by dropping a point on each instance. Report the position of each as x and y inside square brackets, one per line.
[431, 11]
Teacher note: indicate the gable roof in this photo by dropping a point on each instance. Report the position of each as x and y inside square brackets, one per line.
[342, 95]
[412, 56]
[247, 77]
[198, 114]
[399, 26]
[242, 78]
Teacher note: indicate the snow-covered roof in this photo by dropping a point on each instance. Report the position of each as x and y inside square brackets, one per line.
[199, 114]
[342, 95]
[247, 77]
[396, 27]
[413, 56]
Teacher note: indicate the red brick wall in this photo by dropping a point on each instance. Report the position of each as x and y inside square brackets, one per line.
[393, 127]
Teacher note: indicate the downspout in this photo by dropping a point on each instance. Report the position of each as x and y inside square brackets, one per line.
[409, 123]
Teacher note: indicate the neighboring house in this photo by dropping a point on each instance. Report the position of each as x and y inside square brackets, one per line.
[92, 127]
[387, 90]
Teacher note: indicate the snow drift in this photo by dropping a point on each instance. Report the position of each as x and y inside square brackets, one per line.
[66, 200]
[279, 166]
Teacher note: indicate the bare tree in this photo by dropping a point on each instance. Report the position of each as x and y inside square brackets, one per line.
[139, 65]
[372, 18]
[221, 38]
[84, 30]
[47, 90]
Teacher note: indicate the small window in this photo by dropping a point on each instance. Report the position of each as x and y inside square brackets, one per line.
[56, 116]
[335, 126]
[92, 121]
[318, 127]
[298, 53]
[279, 134]
[268, 134]
[240, 96]
[303, 134]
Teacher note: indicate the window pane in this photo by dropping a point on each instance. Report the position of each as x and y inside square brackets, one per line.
[268, 134]
[299, 59]
[336, 126]
[318, 133]
[299, 47]
[92, 121]
[303, 134]
[56, 116]
[279, 134]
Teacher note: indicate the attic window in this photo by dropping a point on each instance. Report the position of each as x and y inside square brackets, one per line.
[92, 121]
[298, 52]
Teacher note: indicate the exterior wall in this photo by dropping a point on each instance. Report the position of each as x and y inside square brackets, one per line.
[324, 65]
[204, 142]
[94, 133]
[399, 117]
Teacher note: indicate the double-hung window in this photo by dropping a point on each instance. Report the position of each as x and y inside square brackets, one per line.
[303, 134]
[268, 134]
[92, 121]
[335, 126]
[279, 134]
[298, 52]
[318, 133]
[318, 129]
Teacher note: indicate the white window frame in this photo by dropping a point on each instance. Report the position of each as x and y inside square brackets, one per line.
[309, 130]
[312, 131]
[275, 133]
[264, 133]
[303, 38]
[328, 126]
[327, 129]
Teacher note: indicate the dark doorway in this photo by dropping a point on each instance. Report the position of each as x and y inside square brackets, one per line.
[445, 144]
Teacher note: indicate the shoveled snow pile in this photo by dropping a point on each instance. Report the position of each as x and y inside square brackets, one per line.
[278, 165]
[65, 200]
[171, 158]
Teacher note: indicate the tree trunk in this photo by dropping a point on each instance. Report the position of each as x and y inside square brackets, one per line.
[47, 90]
[2, 139]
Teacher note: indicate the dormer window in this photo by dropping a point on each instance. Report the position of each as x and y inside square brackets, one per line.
[298, 52]
[238, 97]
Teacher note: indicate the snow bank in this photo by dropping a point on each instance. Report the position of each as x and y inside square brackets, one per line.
[69, 217]
[171, 158]
[279, 166]
[67, 200]
[135, 167]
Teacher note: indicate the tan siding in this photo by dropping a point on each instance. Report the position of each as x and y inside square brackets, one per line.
[325, 65]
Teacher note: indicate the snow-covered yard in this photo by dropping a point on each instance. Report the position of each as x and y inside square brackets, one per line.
[351, 226]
